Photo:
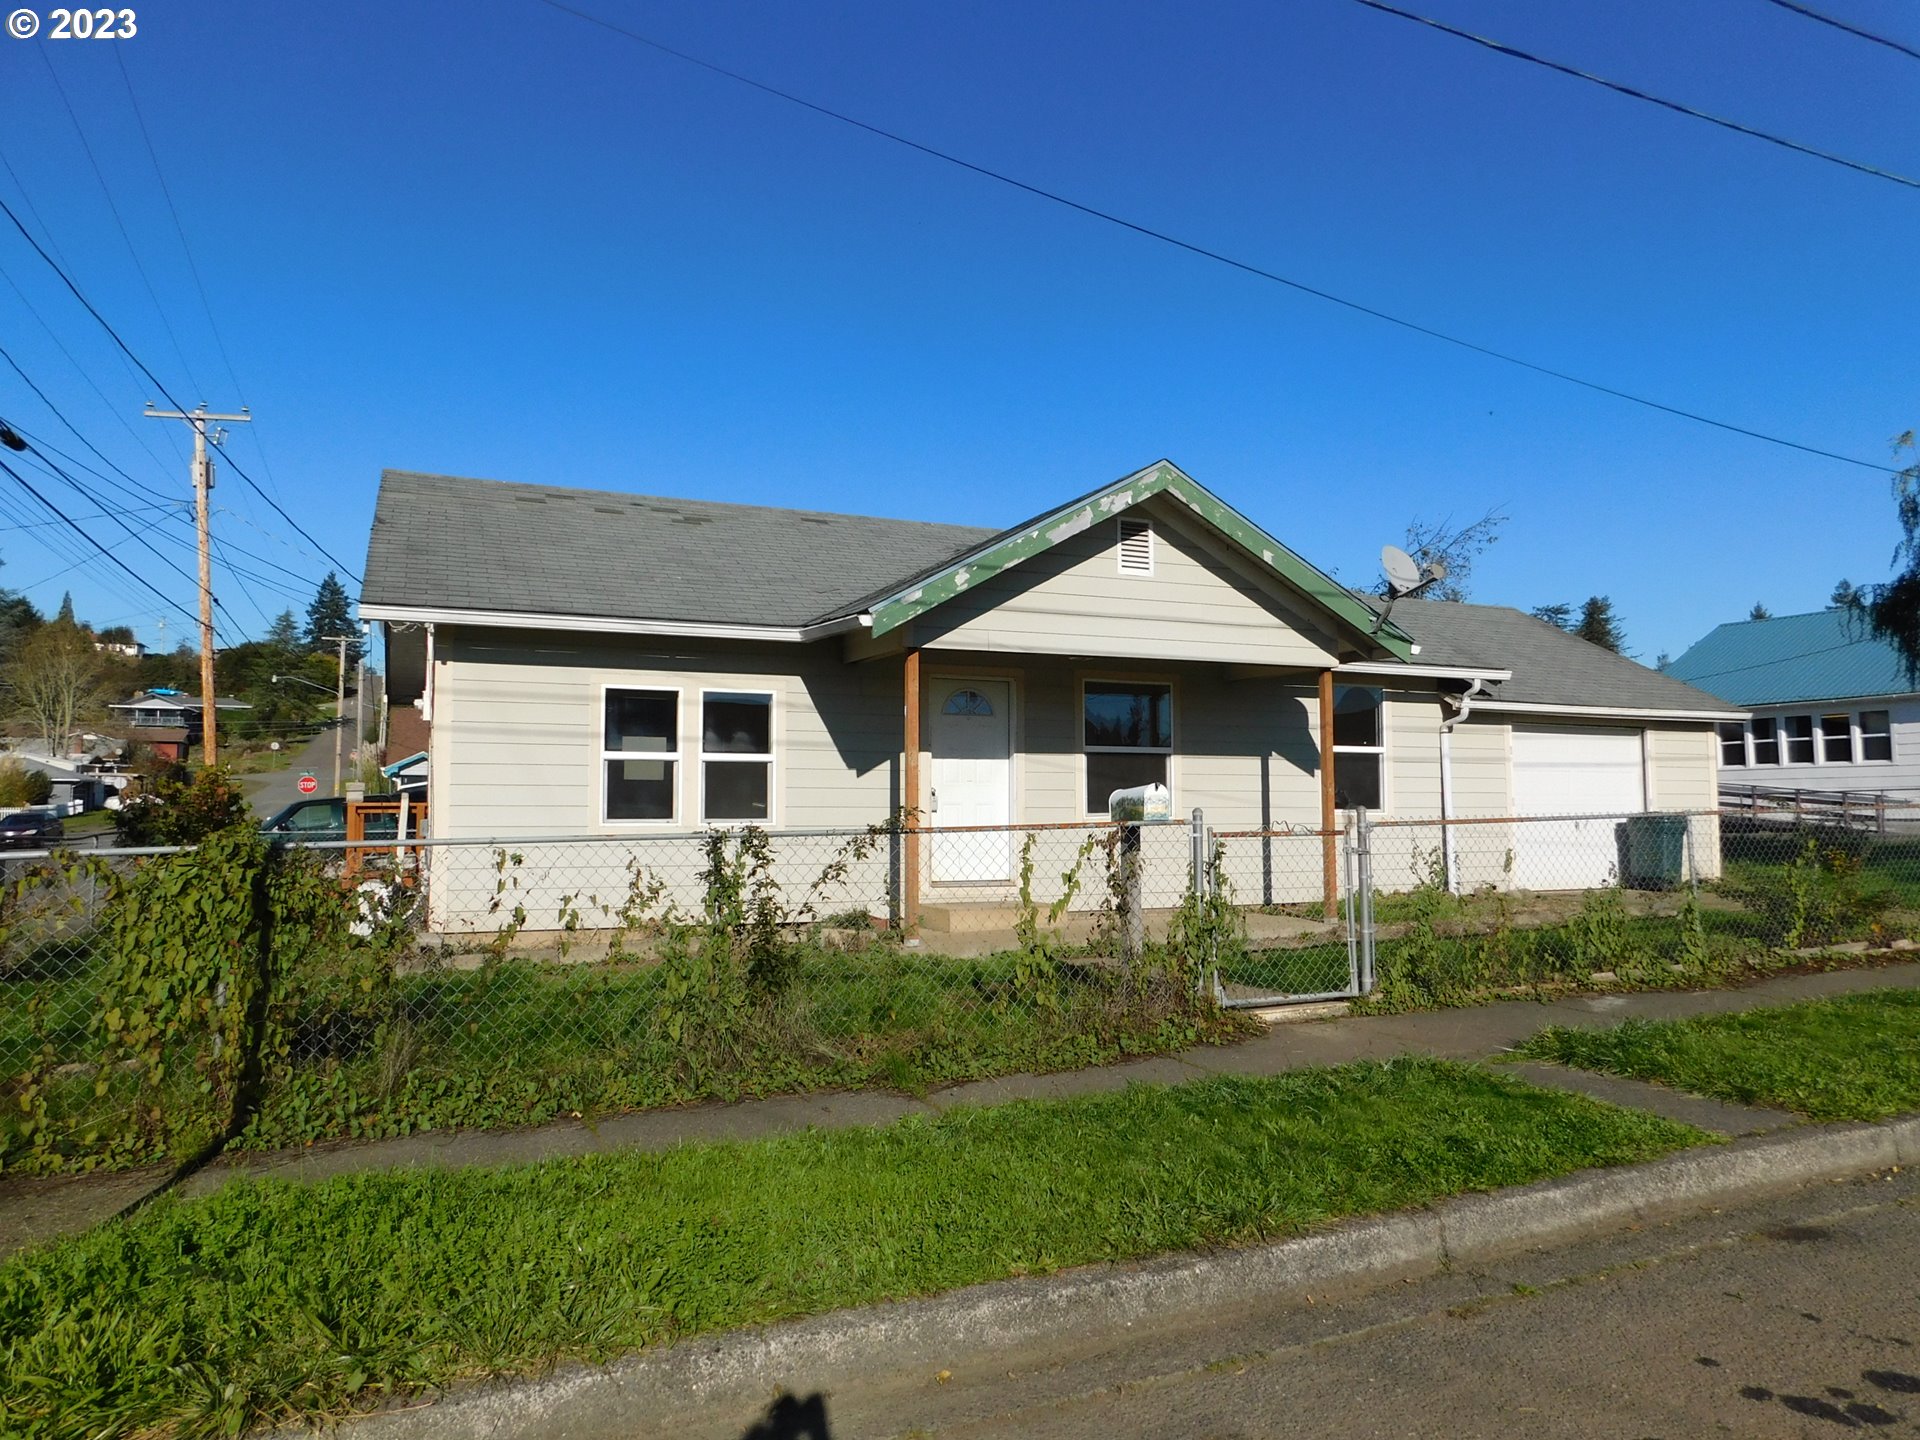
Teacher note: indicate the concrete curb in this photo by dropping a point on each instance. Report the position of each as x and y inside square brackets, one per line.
[581, 1403]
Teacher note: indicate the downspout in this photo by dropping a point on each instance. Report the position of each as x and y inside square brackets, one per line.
[426, 689]
[1463, 707]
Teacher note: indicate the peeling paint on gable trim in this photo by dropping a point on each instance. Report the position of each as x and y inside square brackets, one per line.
[1160, 478]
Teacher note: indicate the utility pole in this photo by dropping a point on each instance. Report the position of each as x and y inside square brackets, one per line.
[339, 713]
[202, 485]
[360, 704]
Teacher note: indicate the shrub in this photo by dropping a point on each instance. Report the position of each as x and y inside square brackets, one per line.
[1815, 899]
[21, 786]
[175, 812]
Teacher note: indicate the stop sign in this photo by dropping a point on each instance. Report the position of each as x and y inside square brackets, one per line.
[308, 784]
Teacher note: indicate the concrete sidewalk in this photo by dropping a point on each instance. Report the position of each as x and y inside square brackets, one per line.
[39, 1209]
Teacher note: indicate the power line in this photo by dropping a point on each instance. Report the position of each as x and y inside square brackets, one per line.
[1614, 85]
[139, 579]
[46, 56]
[1838, 24]
[158, 384]
[1245, 267]
[193, 267]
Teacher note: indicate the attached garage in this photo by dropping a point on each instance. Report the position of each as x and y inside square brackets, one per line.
[1574, 770]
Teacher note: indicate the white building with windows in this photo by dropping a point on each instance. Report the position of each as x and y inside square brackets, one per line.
[1832, 708]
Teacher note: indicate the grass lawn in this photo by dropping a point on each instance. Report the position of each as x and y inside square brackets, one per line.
[272, 1300]
[1852, 1058]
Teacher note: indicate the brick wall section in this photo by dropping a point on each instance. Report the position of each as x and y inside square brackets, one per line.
[406, 733]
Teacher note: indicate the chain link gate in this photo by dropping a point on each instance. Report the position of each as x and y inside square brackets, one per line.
[1290, 949]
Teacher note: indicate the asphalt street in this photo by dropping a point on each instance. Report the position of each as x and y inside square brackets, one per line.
[1798, 1316]
[274, 790]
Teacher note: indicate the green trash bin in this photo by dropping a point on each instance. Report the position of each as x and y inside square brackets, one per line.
[1653, 852]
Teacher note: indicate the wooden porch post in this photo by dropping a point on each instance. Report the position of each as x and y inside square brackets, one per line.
[1330, 859]
[910, 798]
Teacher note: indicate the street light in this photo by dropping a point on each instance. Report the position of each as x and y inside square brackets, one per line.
[302, 680]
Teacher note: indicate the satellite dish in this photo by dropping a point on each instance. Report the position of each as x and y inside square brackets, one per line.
[1437, 570]
[1402, 574]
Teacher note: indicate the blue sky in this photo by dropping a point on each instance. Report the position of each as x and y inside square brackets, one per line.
[489, 239]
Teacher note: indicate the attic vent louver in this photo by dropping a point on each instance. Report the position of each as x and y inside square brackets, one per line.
[1136, 547]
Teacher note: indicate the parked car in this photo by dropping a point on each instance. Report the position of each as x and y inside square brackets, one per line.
[324, 820]
[31, 830]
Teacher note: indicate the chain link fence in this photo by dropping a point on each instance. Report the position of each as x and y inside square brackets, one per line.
[153, 1003]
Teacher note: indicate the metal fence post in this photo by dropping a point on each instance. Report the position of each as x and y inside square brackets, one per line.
[1363, 900]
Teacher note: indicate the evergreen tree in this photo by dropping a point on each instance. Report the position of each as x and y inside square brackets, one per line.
[1600, 626]
[1844, 596]
[65, 617]
[331, 616]
[1557, 615]
[1759, 612]
[1662, 661]
[284, 634]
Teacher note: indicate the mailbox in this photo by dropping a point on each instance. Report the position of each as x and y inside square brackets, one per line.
[1141, 804]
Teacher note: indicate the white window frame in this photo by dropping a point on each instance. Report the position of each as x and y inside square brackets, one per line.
[1786, 751]
[1380, 750]
[1173, 720]
[1754, 742]
[678, 754]
[1120, 522]
[1820, 736]
[1745, 762]
[773, 749]
[1860, 735]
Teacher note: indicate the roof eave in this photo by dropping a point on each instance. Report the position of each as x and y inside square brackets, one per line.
[608, 624]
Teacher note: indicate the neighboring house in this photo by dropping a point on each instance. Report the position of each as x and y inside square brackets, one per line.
[1833, 708]
[132, 649]
[597, 663]
[168, 710]
[81, 781]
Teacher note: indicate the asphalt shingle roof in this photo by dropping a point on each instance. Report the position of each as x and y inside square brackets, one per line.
[1827, 655]
[449, 543]
[1550, 667]
[443, 542]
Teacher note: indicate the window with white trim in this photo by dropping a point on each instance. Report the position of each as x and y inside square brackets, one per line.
[640, 754]
[1733, 744]
[1799, 733]
[1836, 739]
[1136, 546]
[1359, 746]
[1876, 735]
[1766, 740]
[736, 755]
[1126, 729]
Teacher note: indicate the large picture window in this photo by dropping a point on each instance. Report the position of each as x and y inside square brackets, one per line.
[1127, 730]
[1359, 746]
[640, 753]
[736, 755]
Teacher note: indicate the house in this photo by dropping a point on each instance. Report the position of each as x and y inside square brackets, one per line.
[594, 663]
[163, 709]
[1833, 707]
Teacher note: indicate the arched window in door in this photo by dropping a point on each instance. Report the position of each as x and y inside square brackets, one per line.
[967, 702]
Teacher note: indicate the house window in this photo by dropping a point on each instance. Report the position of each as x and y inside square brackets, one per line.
[1836, 739]
[1733, 743]
[1799, 733]
[640, 752]
[1136, 547]
[1127, 730]
[967, 702]
[1359, 746]
[1876, 735]
[1766, 741]
[736, 755]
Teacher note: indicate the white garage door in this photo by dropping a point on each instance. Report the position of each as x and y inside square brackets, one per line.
[1569, 770]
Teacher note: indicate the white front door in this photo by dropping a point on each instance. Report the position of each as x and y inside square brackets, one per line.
[971, 778]
[1564, 770]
